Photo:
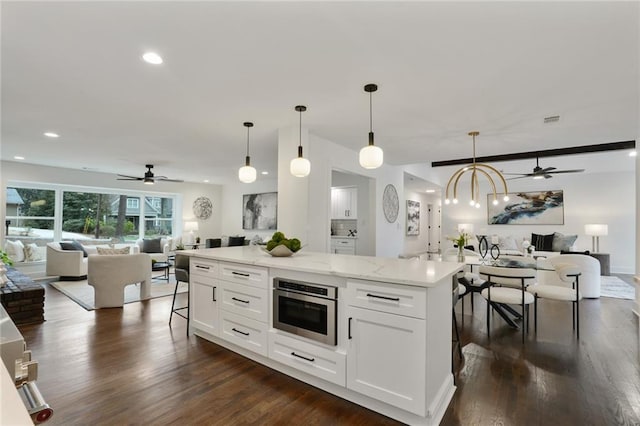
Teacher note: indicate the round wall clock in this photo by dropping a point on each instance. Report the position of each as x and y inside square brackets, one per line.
[202, 208]
[390, 204]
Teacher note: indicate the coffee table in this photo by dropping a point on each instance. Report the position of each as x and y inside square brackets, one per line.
[161, 266]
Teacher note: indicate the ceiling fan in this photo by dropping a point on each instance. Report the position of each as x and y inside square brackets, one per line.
[540, 173]
[149, 178]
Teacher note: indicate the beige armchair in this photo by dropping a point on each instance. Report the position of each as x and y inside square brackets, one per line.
[165, 248]
[67, 264]
[110, 274]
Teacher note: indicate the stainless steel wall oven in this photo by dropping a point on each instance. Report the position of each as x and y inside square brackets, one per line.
[306, 309]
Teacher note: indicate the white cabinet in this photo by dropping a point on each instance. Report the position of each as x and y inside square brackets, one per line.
[386, 351]
[204, 292]
[244, 306]
[343, 245]
[344, 203]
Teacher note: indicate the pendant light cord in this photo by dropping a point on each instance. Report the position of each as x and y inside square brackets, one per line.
[300, 127]
[248, 140]
[370, 112]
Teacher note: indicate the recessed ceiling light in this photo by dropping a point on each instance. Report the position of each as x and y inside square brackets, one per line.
[152, 58]
[18, 157]
[265, 172]
[633, 153]
[430, 191]
[206, 181]
[51, 135]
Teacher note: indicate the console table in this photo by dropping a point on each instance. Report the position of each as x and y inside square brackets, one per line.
[22, 298]
[605, 266]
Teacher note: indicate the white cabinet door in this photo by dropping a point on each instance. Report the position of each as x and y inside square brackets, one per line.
[204, 305]
[386, 358]
[344, 202]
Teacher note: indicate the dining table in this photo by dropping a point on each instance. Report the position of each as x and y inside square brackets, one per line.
[521, 262]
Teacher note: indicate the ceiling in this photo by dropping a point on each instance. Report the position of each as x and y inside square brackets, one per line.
[443, 69]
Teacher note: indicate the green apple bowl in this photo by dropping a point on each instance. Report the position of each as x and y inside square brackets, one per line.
[280, 251]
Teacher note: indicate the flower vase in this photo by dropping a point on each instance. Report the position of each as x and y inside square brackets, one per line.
[461, 254]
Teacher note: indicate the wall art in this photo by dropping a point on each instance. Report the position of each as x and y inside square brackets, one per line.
[528, 208]
[260, 211]
[413, 217]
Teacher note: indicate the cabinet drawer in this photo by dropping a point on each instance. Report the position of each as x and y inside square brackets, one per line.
[243, 274]
[203, 267]
[400, 300]
[244, 332]
[343, 243]
[320, 362]
[245, 300]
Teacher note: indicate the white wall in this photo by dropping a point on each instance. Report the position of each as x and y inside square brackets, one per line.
[232, 211]
[187, 192]
[588, 198]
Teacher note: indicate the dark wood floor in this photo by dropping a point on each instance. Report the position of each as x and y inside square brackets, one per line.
[126, 366]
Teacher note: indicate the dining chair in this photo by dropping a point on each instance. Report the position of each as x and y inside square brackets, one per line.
[470, 280]
[568, 273]
[507, 286]
[457, 291]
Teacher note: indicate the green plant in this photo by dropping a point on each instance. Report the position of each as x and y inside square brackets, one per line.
[180, 246]
[5, 258]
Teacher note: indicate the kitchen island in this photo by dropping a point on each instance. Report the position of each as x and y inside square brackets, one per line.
[379, 334]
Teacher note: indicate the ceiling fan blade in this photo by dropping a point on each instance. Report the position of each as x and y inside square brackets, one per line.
[547, 169]
[546, 176]
[164, 179]
[568, 171]
[517, 174]
[130, 177]
[519, 177]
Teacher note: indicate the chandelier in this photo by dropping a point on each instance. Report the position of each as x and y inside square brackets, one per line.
[475, 169]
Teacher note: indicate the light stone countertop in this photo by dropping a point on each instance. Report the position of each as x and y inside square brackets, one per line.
[414, 272]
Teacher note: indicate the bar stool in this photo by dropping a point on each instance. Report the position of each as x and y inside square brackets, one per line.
[181, 269]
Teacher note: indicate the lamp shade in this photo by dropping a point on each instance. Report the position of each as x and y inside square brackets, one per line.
[247, 174]
[596, 229]
[465, 227]
[300, 167]
[371, 157]
[190, 226]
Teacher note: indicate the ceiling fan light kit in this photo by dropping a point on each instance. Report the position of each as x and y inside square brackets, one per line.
[247, 173]
[371, 156]
[475, 169]
[300, 166]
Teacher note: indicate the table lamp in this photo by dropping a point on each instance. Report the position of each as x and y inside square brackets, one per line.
[465, 227]
[596, 230]
[190, 227]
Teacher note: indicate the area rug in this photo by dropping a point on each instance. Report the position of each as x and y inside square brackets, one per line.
[615, 287]
[83, 294]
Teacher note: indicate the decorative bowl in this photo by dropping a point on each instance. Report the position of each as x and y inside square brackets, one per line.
[280, 251]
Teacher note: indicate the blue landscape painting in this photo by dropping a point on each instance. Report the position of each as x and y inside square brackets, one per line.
[528, 208]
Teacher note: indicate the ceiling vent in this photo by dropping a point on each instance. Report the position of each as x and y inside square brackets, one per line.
[551, 119]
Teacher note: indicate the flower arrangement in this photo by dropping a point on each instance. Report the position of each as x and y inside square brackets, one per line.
[461, 239]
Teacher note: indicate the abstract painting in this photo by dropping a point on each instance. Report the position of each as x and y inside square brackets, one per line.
[260, 211]
[413, 217]
[528, 208]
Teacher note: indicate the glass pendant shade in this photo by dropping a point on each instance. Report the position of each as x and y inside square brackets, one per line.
[371, 157]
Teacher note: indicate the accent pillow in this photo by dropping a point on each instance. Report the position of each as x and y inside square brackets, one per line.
[32, 253]
[562, 242]
[508, 243]
[542, 242]
[151, 245]
[110, 251]
[73, 246]
[15, 250]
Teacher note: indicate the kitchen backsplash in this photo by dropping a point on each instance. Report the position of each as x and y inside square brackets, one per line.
[342, 227]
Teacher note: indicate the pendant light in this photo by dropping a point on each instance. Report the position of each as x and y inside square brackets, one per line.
[371, 156]
[246, 173]
[300, 166]
[475, 169]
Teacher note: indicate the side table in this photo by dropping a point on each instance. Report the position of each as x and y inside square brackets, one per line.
[603, 258]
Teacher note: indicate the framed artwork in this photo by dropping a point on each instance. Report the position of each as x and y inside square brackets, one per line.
[528, 208]
[413, 217]
[260, 211]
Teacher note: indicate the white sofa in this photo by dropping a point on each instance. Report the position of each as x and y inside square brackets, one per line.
[71, 264]
[165, 244]
[110, 274]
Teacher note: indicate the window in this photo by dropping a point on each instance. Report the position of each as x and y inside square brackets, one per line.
[158, 215]
[133, 203]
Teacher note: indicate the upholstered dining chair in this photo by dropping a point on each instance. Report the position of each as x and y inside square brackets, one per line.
[568, 273]
[456, 294]
[507, 286]
[181, 269]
